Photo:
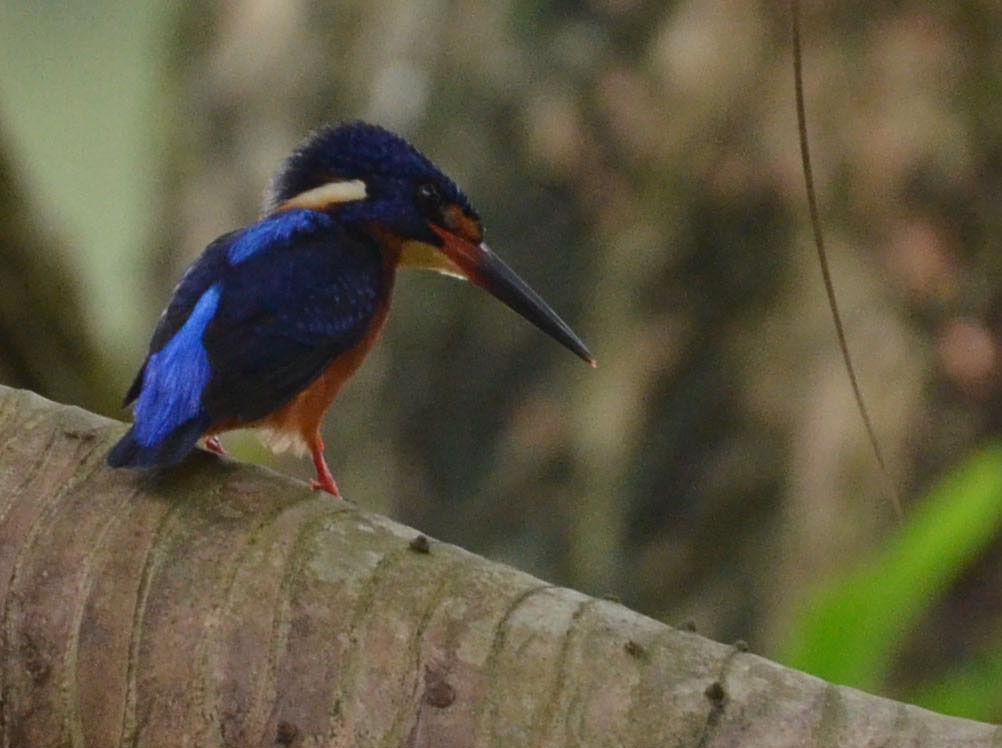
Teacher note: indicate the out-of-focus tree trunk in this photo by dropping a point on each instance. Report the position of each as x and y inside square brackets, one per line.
[218, 604]
[45, 344]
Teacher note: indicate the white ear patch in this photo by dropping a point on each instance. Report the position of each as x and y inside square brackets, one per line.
[325, 195]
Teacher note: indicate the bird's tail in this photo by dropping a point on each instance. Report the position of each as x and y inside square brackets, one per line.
[171, 449]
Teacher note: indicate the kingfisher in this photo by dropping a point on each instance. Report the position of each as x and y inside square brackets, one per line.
[267, 325]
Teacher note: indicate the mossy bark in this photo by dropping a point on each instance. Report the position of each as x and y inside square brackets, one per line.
[220, 604]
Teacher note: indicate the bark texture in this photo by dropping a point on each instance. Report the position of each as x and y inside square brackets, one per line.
[219, 604]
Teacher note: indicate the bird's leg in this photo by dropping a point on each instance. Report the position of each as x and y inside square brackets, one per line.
[213, 444]
[324, 480]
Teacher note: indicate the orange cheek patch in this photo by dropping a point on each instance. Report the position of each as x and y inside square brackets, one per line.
[462, 225]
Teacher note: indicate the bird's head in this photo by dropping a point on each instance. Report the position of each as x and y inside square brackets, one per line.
[378, 180]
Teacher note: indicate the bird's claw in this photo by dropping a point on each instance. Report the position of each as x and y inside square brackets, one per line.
[213, 444]
[325, 483]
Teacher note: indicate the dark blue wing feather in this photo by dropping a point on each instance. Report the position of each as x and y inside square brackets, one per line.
[208, 269]
[284, 316]
[255, 319]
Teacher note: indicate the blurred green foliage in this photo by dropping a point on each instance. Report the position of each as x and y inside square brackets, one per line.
[79, 94]
[638, 164]
[852, 629]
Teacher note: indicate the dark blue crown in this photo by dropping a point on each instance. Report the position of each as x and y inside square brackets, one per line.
[357, 150]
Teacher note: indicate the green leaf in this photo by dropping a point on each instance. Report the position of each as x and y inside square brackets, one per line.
[850, 630]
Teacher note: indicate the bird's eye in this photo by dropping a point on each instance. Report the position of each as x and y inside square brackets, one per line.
[429, 199]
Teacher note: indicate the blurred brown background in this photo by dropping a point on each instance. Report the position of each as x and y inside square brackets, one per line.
[638, 164]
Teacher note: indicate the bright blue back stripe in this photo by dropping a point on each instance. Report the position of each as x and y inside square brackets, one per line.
[175, 376]
[273, 230]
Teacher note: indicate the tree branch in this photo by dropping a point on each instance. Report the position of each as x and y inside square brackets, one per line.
[220, 604]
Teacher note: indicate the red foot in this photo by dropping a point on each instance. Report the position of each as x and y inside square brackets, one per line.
[324, 480]
[213, 444]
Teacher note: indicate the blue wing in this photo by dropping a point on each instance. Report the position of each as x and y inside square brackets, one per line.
[253, 322]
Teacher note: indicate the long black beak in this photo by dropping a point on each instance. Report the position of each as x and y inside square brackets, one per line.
[485, 269]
